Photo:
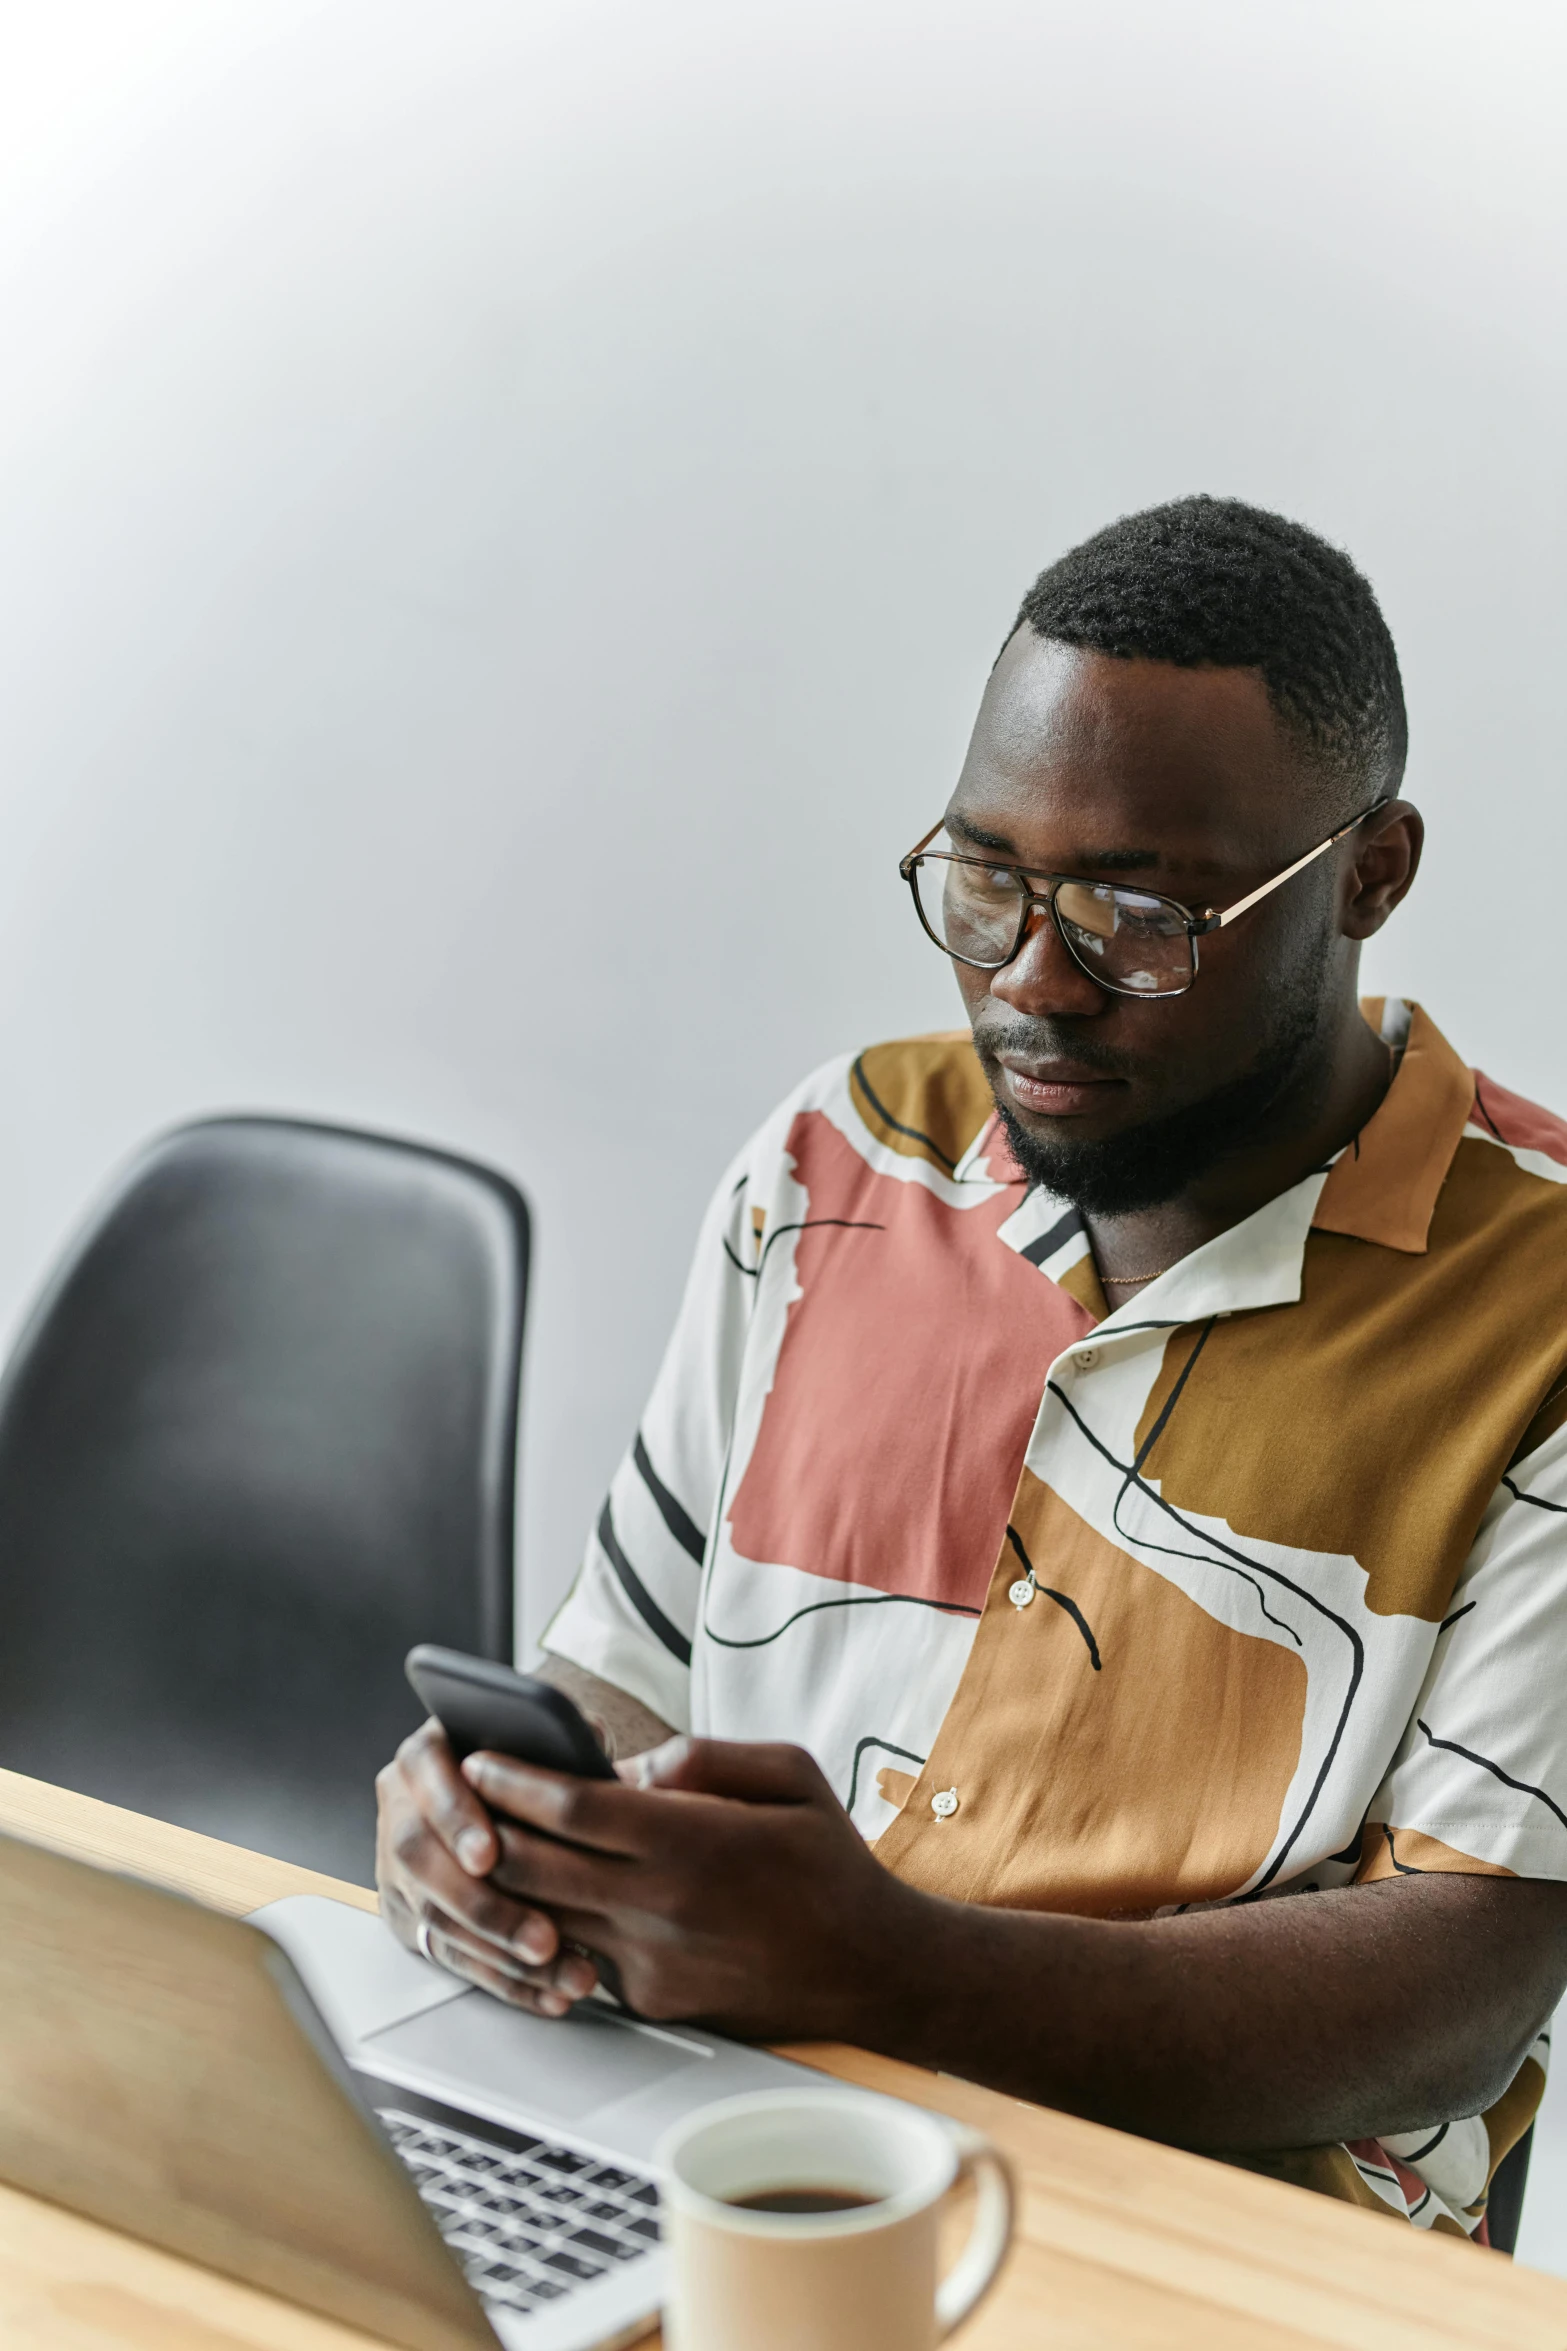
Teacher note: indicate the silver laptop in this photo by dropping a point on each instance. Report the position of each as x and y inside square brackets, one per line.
[529, 2138]
[314, 2111]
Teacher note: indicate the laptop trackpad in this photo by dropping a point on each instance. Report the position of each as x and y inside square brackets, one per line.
[552, 2069]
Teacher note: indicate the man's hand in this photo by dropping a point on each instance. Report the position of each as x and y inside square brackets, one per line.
[436, 1845]
[725, 1881]
[435, 1848]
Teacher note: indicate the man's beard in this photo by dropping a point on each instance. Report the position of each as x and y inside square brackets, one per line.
[1116, 1175]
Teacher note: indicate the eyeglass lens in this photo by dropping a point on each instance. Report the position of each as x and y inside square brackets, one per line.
[1130, 942]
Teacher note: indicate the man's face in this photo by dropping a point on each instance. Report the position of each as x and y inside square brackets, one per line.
[1176, 780]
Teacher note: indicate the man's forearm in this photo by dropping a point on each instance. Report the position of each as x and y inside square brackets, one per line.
[1293, 2022]
[729, 1884]
[628, 1727]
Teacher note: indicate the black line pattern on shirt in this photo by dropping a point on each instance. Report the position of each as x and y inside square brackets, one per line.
[1524, 1787]
[1165, 1550]
[1063, 1230]
[1238, 1562]
[808, 1224]
[1204, 1559]
[915, 1134]
[1449, 1621]
[735, 1259]
[1060, 1598]
[1484, 1113]
[1201, 1559]
[637, 1593]
[1535, 1501]
[887, 1748]
[1171, 1401]
[1112, 1329]
[1435, 2141]
[865, 1600]
[918, 1135]
[854, 1600]
[1403, 1868]
[673, 1513]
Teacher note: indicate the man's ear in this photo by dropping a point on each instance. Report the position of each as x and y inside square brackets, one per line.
[1386, 860]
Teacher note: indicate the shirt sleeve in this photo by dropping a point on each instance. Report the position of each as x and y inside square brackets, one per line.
[1480, 1778]
[631, 1615]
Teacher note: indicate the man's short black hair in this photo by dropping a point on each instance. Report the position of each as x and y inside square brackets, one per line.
[1210, 581]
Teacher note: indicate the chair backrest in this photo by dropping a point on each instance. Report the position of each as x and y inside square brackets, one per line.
[257, 1439]
[1504, 2206]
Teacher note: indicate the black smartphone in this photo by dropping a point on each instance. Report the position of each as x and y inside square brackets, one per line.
[481, 1704]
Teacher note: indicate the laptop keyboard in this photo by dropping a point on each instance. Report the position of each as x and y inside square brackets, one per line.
[530, 2221]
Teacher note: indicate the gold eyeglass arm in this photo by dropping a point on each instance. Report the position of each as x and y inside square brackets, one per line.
[1217, 922]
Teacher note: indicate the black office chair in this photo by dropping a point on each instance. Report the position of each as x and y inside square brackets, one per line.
[256, 1440]
[1504, 2206]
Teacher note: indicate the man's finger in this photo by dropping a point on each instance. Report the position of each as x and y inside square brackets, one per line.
[600, 1814]
[570, 1976]
[434, 1886]
[746, 1771]
[521, 1987]
[422, 1926]
[564, 1878]
[446, 1799]
[611, 1819]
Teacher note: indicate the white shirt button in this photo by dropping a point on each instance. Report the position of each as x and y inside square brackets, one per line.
[944, 1803]
[1088, 1357]
[1020, 1593]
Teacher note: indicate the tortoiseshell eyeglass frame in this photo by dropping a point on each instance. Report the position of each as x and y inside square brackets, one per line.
[1195, 921]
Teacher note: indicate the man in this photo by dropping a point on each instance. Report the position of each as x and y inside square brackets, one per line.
[1109, 1471]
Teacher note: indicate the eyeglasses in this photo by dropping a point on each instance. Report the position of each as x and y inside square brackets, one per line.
[1133, 942]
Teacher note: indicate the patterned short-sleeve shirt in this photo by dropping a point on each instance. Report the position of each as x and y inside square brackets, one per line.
[1255, 1586]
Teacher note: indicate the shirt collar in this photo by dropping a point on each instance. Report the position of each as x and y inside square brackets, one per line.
[1256, 1263]
[1383, 1187]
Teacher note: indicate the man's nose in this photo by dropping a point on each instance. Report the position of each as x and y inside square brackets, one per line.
[1043, 981]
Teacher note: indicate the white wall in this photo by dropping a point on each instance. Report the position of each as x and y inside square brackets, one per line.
[489, 490]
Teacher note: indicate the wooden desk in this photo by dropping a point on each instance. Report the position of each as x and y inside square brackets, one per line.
[1121, 2243]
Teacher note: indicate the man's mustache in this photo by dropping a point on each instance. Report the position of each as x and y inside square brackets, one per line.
[1043, 1040]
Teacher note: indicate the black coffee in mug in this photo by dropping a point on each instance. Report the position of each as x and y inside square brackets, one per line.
[800, 2200]
[807, 2220]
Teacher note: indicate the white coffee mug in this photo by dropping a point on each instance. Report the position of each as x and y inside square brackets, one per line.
[858, 2278]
